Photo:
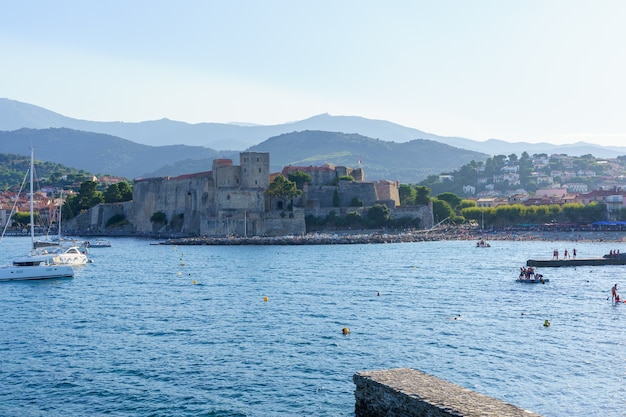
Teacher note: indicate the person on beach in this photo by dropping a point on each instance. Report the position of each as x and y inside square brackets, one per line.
[614, 293]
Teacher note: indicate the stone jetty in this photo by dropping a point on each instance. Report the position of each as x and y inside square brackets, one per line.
[351, 237]
[407, 392]
[310, 239]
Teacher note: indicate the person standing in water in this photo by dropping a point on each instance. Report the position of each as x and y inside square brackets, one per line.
[614, 293]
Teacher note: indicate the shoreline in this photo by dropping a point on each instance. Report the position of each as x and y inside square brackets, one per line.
[345, 238]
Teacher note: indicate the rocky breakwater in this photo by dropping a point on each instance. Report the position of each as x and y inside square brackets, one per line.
[310, 239]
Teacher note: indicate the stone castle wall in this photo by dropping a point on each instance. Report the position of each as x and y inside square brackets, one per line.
[230, 200]
[189, 196]
[424, 213]
[364, 191]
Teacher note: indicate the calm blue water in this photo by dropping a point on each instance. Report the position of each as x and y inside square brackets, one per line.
[132, 335]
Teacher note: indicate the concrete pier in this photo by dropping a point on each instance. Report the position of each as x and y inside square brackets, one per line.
[554, 263]
[410, 393]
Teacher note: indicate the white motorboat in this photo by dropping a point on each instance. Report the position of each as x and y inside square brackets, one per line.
[36, 268]
[55, 256]
[98, 243]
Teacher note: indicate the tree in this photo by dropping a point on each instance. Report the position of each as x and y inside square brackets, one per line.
[158, 217]
[451, 199]
[283, 189]
[119, 192]
[407, 195]
[22, 218]
[112, 194]
[87, 197]
[441, 210]
[356, 202]
[353, 219]
[423, 195]
[378, 215]
[299, 178]
[466, 204]
[126, 190]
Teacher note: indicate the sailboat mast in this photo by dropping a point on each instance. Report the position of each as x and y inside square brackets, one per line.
[32, 216]
[59, 219]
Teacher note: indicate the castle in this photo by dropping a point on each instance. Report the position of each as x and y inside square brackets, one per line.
[231, 200]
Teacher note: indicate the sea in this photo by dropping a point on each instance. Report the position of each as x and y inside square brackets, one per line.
[159, 330]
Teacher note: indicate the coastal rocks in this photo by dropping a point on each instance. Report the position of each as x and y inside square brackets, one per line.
[312, 239]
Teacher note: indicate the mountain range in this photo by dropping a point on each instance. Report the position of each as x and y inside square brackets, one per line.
[166, 147]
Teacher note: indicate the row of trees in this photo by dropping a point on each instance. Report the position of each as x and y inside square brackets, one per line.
[458, 211]
[89, 196]
[377, 216]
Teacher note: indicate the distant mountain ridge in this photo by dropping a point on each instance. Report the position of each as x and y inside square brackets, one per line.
[406, 162]
[99, 153]
[105, 154]
[15, 115]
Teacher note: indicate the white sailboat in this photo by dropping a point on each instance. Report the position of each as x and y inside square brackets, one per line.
[36, 268]
[59, 254]
[60, 241]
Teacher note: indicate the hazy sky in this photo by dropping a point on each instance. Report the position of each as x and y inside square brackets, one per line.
[532, 70]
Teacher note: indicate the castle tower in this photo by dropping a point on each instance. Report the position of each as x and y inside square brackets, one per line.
[255, 169]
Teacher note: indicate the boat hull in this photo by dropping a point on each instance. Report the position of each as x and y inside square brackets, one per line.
[532, 281]
[39, 272]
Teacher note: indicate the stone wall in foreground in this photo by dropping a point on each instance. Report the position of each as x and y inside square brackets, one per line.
[410, 393]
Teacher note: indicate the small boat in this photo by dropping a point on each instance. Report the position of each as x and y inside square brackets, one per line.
[541, 280]
[482, 244]
[98, 243]
[530, 276]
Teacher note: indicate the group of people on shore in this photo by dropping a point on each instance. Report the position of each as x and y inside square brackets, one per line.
[566, 254]
[614, 253]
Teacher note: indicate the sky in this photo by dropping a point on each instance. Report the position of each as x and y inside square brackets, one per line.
[532, 70]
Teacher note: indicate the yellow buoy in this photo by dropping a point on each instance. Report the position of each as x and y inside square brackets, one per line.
[345, 330]
[265, 299]
[195, 282]
[546, 323]
[179, 274]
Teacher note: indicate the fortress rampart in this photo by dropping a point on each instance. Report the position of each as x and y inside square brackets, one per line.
[231, 200]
